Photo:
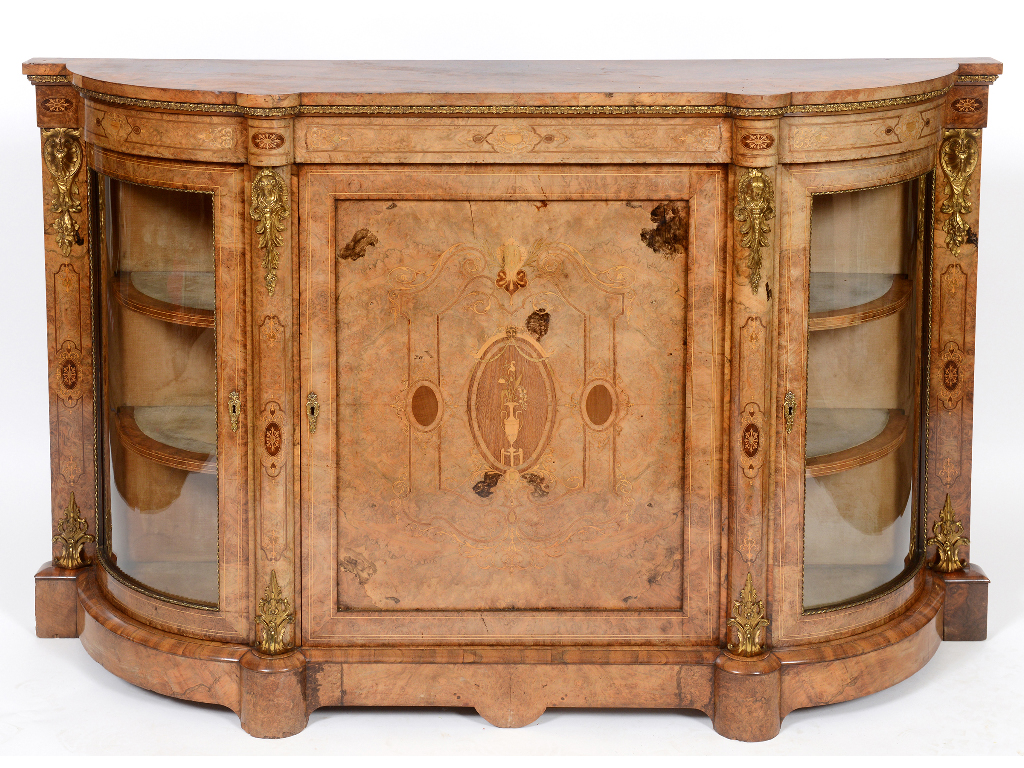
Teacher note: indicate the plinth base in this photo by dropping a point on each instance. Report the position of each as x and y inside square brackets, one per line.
[747, 698]
[965, 610]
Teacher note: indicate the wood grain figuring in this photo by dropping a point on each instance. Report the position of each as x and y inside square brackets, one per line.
[882, 444]
[276, 421]
[510, 140]
[158, 661]
[951, 409]
[56, 599]
[742, 83]
[828, 673]
[893, 301]
[58, 106]
[967, 107]
[965, 609]
[361, 578]
[747, 697]
[814, 139]
[69, 330]
[180, 137]
[273, 699]
[505, 409]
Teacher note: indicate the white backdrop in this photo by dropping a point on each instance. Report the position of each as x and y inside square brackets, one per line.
[55, 700]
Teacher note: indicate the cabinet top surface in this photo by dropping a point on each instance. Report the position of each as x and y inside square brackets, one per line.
[765, 82]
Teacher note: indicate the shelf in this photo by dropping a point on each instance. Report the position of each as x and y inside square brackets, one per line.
[183, 437]
[883, 443]
[149, 294]
[892, 301]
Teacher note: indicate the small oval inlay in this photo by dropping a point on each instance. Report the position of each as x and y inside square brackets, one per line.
[950, 375]
[272, 438]
[267, 140]
[967, 106]
[751, 440]
[599, 405]
[424, 406]
[758, 141]
[69, 374]
[57, 104]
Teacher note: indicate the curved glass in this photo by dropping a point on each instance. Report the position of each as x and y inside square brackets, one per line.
[159, 356]
[863, 391]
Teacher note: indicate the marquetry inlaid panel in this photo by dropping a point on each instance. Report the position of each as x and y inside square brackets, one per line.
[510, 376]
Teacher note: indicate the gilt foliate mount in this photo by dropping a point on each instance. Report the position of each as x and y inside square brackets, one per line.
[272, 619]
[62, 156]
[269, 209]
[72, 535]
[947, 538]
[958, 158]
[748, 618]
[755, 207]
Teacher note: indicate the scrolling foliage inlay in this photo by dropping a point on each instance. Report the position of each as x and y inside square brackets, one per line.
[269, 209]
[958, 158]
[62, 155]
[755, 207]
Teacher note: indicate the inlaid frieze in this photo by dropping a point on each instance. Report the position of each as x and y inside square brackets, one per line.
[190, 137]
[807, 139]
[535, 140]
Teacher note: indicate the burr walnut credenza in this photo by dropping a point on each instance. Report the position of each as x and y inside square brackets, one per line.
[511, 385]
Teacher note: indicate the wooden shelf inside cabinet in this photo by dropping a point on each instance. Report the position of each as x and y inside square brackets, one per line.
[885, 442]
[178, 433]
[149, 302]
[893, 301]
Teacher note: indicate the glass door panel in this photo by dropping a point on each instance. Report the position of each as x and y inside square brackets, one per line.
[862, 391]
[160, 359]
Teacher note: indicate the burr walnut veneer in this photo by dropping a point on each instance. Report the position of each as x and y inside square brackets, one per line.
[511, 385]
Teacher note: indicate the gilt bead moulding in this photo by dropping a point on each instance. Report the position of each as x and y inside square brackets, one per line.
[511, 385]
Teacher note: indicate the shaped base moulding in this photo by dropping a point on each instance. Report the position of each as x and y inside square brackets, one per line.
[509, 687]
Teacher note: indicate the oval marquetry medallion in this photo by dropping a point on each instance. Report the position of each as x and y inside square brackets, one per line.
[267, 140]
[598, 405]
[512, 402]
[425, 405]
[950, 375]
[272, 438]
[751, 440]
[967, 106]
[69, 374]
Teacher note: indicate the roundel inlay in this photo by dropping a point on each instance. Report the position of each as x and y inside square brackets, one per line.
[511, 403]
[424, 406]
[598, 404]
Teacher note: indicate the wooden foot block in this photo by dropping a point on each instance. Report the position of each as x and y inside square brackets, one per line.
[273, 703]
[57, 602]
[965, 610]
[747, 697]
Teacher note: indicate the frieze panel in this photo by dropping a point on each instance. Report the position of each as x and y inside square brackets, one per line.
[537, 141]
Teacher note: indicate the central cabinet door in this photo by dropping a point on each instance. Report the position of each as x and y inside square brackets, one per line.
[512, 425]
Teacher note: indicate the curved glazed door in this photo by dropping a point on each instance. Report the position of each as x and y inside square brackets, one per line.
[859, 271]
[512, 381]
[171, 320]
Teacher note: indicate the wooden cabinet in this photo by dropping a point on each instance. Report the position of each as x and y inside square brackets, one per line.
[512, 385]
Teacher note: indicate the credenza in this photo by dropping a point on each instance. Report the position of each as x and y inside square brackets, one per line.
[511, 385]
